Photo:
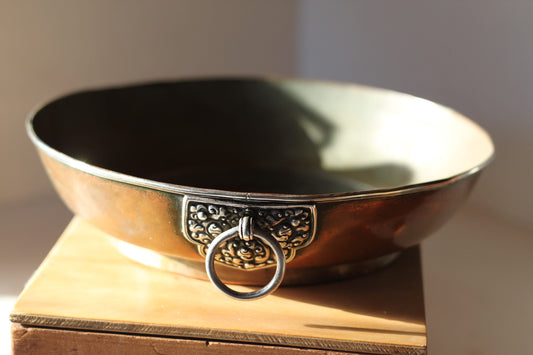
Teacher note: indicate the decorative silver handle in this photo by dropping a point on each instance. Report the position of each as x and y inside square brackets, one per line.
[246, 232]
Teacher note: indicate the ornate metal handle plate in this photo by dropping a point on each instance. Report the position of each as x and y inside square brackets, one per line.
[293, 227]
[223, 232]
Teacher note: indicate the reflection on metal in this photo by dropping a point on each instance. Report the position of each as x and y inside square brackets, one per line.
[245, 230]
[292, 226]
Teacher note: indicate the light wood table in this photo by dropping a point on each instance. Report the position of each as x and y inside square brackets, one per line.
[87, 298]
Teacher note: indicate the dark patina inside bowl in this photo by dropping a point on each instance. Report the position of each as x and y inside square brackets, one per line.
[342, 176]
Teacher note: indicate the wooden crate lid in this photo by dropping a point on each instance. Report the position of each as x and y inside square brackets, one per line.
[84, 283]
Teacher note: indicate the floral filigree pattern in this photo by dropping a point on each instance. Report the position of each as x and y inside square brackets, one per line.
[292, 226]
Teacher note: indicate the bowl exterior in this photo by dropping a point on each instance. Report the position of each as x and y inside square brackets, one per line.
[352, 234]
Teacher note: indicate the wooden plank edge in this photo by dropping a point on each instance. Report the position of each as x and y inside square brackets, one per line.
[31, 340]
[213, 334]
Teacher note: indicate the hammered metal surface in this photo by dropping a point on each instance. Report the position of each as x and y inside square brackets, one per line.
[292, 226]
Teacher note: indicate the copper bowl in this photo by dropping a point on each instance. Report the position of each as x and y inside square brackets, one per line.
[344, 177]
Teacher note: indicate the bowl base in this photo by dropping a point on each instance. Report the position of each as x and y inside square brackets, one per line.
[293, 276]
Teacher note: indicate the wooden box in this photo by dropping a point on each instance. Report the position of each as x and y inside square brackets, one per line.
[86, 298]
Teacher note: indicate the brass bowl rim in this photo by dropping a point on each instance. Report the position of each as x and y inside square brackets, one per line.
[252, 196]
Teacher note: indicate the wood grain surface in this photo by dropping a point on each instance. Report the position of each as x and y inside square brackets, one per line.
[44, 341]
[86, 284]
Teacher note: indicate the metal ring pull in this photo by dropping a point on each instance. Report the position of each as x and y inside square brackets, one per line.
[246, 230]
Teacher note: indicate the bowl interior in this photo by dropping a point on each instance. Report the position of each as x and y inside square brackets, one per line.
[287, 137]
